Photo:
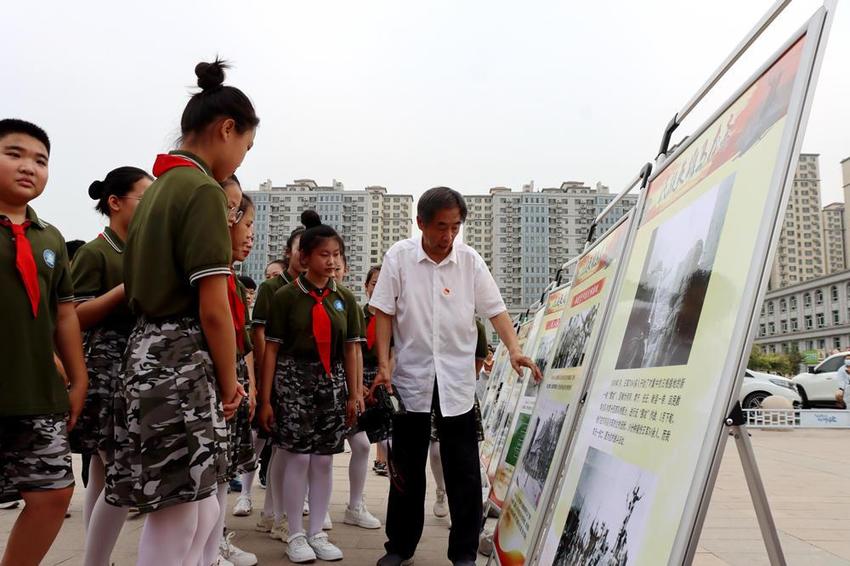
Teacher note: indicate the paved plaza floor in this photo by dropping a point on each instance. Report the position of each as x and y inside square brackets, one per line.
[806, 473]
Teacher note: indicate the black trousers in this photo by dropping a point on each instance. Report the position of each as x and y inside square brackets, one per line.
[459, 452]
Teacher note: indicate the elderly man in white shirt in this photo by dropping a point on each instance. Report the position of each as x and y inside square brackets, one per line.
[426, 298]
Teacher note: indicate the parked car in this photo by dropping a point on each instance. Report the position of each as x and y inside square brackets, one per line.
[818, 385]
[758, 386]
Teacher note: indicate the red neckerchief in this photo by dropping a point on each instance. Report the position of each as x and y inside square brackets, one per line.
[25, 262]
[237, 311]
[370, 333]
[322, 327]
[167, 161]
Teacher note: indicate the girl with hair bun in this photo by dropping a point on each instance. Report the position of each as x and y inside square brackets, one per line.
[310, 390]
[98, 276]
[179, 377]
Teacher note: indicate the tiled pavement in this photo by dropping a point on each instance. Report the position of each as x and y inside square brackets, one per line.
[806, 473]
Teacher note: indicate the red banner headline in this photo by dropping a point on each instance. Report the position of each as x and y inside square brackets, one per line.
[588, 293]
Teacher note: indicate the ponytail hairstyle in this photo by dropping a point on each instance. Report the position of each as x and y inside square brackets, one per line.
[118, 182]
[215, 101]
[316, 232]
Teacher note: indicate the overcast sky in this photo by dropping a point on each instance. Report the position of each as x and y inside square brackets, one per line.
[401, 94]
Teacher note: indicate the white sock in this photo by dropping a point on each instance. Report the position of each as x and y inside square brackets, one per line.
[358, 467]
[208, 513]
[104, 526]
[94, 489]
[321, 486]
[437, 465]
[276, 474]
[210, 551]
[248, 477]
[167, 535]
[297, 468]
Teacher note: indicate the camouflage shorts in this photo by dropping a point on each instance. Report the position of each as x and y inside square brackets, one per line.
[104, 350]
[170, 436]
[241, 457]
[34, 455]
[435, 435]
[309, 407]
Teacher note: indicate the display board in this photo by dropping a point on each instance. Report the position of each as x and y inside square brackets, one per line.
[500, 433]
[539, 352]
[494, 381]
[672, 349]
[498, 412]
[556, 404]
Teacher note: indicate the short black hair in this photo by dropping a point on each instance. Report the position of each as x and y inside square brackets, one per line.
[215, 100]
[248, 282]
[118, 182]
[72, 246]
[439, 198]
[10, 126]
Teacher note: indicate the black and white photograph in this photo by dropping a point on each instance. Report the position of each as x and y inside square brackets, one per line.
[606, 523]
[673, 284]
[542, 436]
[572, 343]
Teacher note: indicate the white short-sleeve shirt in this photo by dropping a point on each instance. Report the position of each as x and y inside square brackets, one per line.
[434, 307]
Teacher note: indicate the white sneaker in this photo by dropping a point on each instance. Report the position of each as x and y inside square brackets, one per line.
[323, 548]
[306, 510]
[328, 524]
[223, 562]
[10, 505]
[441, 507]
[280, 530]
[243, 506]
[264, 524]
[234, 554]
[299, 550]
[360, 516]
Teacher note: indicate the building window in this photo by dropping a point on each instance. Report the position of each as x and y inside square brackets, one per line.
[783, 305]
[770, 308]
[834, 292]
[807, 299]
[808, 321]
[821, 320]
[836, 318]
[794, 324]
[761, 329]
[822, 344]
[793, 302]
[783, 326]
[771, 328]
[818, 297]
[836, 342]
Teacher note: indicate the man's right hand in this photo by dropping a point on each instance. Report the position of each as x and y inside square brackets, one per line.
[383, 377]
[266, 417]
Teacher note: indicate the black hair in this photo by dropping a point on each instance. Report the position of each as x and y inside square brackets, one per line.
[232, 179]
[291, 239]
[245, 203]
[72, 246]
[316, 232]
[439, 198]
[280, 262]
[248, 282]
[372, 270]
[118, 182]
[10, 126]
[215, 100]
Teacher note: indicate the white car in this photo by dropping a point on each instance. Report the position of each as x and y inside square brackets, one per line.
[758, 386]
[817, 386]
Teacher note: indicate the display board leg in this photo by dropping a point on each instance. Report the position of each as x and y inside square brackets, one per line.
[757, 491]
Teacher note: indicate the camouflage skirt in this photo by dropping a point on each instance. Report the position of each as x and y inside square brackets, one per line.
[170, 436]
[309, 407]
[104, 349]
[240, 445]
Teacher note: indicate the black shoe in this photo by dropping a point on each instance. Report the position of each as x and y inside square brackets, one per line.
[394, 560]
[380, 468]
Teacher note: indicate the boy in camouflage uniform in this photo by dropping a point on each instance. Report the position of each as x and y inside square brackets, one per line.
[36, 411]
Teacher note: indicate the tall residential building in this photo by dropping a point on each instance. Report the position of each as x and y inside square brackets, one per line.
[845, 182]
[800, 253]
[369, 220]
[834, 235]
[525, 236]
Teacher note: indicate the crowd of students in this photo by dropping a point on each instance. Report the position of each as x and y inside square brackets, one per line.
[145, 354]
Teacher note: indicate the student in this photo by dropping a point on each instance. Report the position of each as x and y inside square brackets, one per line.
[310, 378]
[36, 411]
[240, 445]
[250, 287]
[441, 506]
[370, 368]
[98, 275]
[272, 519]
[274, 268]
[356, 512]
[179, 377]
